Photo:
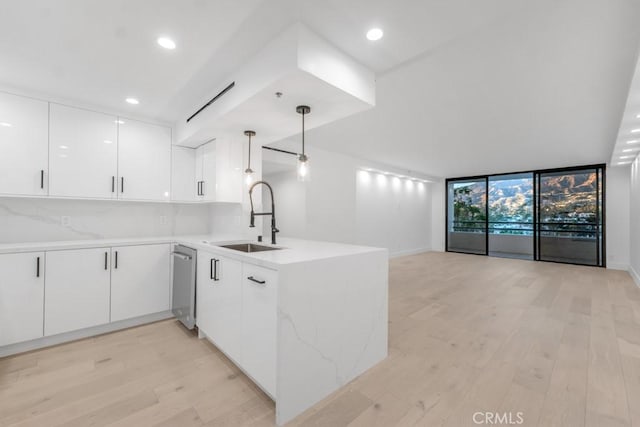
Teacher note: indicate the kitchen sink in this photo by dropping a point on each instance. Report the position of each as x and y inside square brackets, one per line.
[249, 247]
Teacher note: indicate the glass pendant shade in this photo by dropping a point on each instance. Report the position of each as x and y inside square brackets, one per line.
[304, 174]
[249, 176]
[248, 172]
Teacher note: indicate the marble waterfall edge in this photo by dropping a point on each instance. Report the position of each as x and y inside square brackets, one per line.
[332, 327]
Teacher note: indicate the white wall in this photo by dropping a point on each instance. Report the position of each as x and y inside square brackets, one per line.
[618, 220]
[342, 204]
[291, 204]
[634, 235]
[40, 220]
[438, 214]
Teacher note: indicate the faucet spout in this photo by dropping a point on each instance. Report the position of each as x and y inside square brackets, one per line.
[274, 229]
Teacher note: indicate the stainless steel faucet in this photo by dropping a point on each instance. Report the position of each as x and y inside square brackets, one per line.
[274, 230]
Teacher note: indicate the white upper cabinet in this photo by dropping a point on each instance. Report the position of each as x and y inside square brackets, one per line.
[24, 126]
[21, 297]
[83, 153]
[219, 173]
[206, 179]
[184, 185]
[229, 171]
[144, 161]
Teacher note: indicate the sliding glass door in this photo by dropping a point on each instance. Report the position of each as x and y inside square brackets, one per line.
[467, 216]
[511, 215]
[549, 215]
[570, 216]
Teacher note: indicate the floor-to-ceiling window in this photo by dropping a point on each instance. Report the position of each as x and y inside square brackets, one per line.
[570, 226]
[547, 215]
[467, 215]
[511, 215]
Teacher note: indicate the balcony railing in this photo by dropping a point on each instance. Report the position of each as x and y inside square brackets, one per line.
[588, 229]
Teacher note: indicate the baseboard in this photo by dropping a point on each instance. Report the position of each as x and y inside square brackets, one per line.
[43, 342]
[408, 252]
[634, 274]
[617, 266]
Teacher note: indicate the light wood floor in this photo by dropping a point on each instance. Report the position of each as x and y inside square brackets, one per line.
[558, 343]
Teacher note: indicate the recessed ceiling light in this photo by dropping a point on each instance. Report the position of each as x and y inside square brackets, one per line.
[119, 122]
[63, 147]
[5, 124]
[166, 43]
[134, 101]
[626, 157]
[635, 130]
[375, 34]
[630, 150]
[638, 116]
[633, 141]
[106, 141]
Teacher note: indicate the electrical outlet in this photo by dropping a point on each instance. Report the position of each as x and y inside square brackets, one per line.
[65, 221]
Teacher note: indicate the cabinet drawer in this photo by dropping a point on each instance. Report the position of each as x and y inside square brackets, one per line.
[259, 325]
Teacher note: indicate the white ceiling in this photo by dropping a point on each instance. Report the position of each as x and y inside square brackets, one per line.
[542, 88]
[99, 52]
[464, 87]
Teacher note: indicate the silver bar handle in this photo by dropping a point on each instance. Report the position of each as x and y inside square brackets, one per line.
[182, 256]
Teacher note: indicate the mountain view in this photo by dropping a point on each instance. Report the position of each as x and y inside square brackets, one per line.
[568, 205]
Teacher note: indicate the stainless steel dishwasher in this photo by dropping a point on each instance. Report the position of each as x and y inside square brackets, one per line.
[183, 304]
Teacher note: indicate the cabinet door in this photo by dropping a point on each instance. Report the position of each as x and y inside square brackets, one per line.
[259, 325]
[219, 302]
[199, 171]
[183, 174]
[229, 172]
[140, 280]
[144, 161]
[83, 150]
[24, 139]
[21, 297]
[209, 177]
[77, 290]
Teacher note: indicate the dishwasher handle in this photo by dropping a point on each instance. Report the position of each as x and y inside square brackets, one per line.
[182, 256]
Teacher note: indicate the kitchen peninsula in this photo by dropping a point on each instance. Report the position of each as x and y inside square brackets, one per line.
[301, 320]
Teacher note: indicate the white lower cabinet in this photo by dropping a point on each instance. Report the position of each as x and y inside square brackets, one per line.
[21, 297]
[259, 325]
[237, 310]
[219, 302]
[140, 280]
[77, 289]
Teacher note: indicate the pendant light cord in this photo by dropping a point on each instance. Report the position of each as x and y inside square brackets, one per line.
[249, 164]
[303, 133]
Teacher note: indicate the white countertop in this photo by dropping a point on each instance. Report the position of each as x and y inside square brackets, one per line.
[291, 250]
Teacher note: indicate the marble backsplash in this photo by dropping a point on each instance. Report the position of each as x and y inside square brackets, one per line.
[44, 220]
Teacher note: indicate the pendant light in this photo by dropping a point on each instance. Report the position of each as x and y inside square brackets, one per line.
[248, 172]
[303, 160]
